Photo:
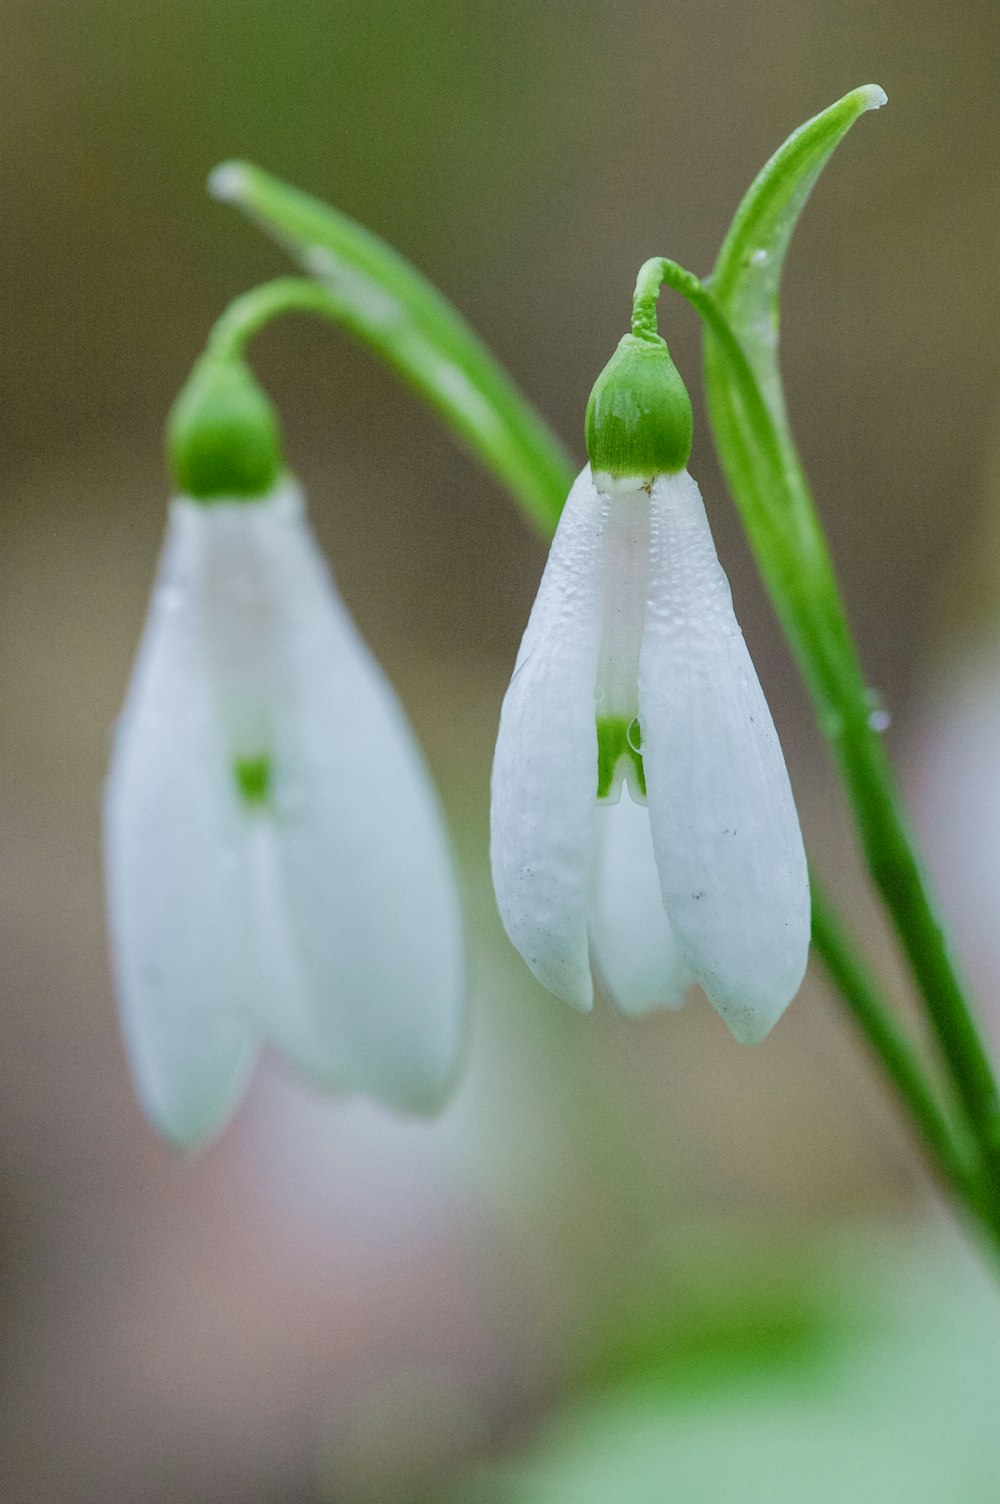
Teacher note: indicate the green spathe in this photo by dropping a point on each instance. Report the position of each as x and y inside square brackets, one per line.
[223, 436]
[639, 420]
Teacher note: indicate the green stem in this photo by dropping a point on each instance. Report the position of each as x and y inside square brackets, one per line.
[795, 562]
[645, 298]
[248, 314]
[956, 1164]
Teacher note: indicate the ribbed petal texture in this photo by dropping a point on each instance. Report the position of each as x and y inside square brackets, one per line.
[725, 830]
[542, 841]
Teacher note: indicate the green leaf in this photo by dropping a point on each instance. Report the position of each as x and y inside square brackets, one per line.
[894, 1400]
[391, 307]
[763, 467]
[748, 269]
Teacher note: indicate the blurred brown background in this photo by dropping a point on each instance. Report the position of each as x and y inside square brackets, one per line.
[328, 1304]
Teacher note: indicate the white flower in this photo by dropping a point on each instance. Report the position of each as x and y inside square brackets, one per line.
[698, 873]
[277, 867]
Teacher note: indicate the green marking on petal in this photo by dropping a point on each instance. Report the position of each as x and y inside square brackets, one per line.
[618, 738]
[253, 775]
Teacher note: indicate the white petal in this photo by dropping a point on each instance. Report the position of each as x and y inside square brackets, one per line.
[544, 788]
[634, 944]
[355, 893]
[176, 905]
[725, 831]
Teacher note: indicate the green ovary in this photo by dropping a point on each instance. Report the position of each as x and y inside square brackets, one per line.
[614, 744]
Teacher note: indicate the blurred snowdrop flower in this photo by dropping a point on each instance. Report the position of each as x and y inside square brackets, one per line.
[633, 671]
[276, 862]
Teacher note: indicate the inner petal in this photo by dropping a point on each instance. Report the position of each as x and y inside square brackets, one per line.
[283, 1000]
[626, 564]
[632, 939]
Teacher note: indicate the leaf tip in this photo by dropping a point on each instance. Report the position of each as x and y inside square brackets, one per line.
[227, 181]
[874, 96]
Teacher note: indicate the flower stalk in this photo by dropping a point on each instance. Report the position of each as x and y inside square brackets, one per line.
[951, 1157]
[249, 313]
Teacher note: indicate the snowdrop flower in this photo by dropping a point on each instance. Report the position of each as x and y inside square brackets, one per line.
[276, 863]
[641, 810]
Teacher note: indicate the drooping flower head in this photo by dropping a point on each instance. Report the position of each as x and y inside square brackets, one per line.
[276, 862]
[641, 809]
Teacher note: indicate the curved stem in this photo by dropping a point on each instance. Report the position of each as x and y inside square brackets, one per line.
[248, 313]
[647, 291]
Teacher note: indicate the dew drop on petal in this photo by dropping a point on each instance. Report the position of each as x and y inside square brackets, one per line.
[633, 735]
[879, 718]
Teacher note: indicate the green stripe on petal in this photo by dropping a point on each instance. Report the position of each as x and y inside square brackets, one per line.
[253, 777]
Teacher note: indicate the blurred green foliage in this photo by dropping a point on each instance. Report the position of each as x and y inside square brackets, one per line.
[866, 1375]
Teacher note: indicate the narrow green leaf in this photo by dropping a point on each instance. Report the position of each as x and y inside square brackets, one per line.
[763, 467]
[391, 307]
[747, 411]
[748, 269]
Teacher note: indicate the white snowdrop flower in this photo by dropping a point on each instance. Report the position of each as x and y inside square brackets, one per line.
[641, 809]
[276, 862]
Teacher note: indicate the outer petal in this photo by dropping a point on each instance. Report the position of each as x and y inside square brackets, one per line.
[544, 790]
[633, 940]
[357, 908]
[176, 906]
[725, 831]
